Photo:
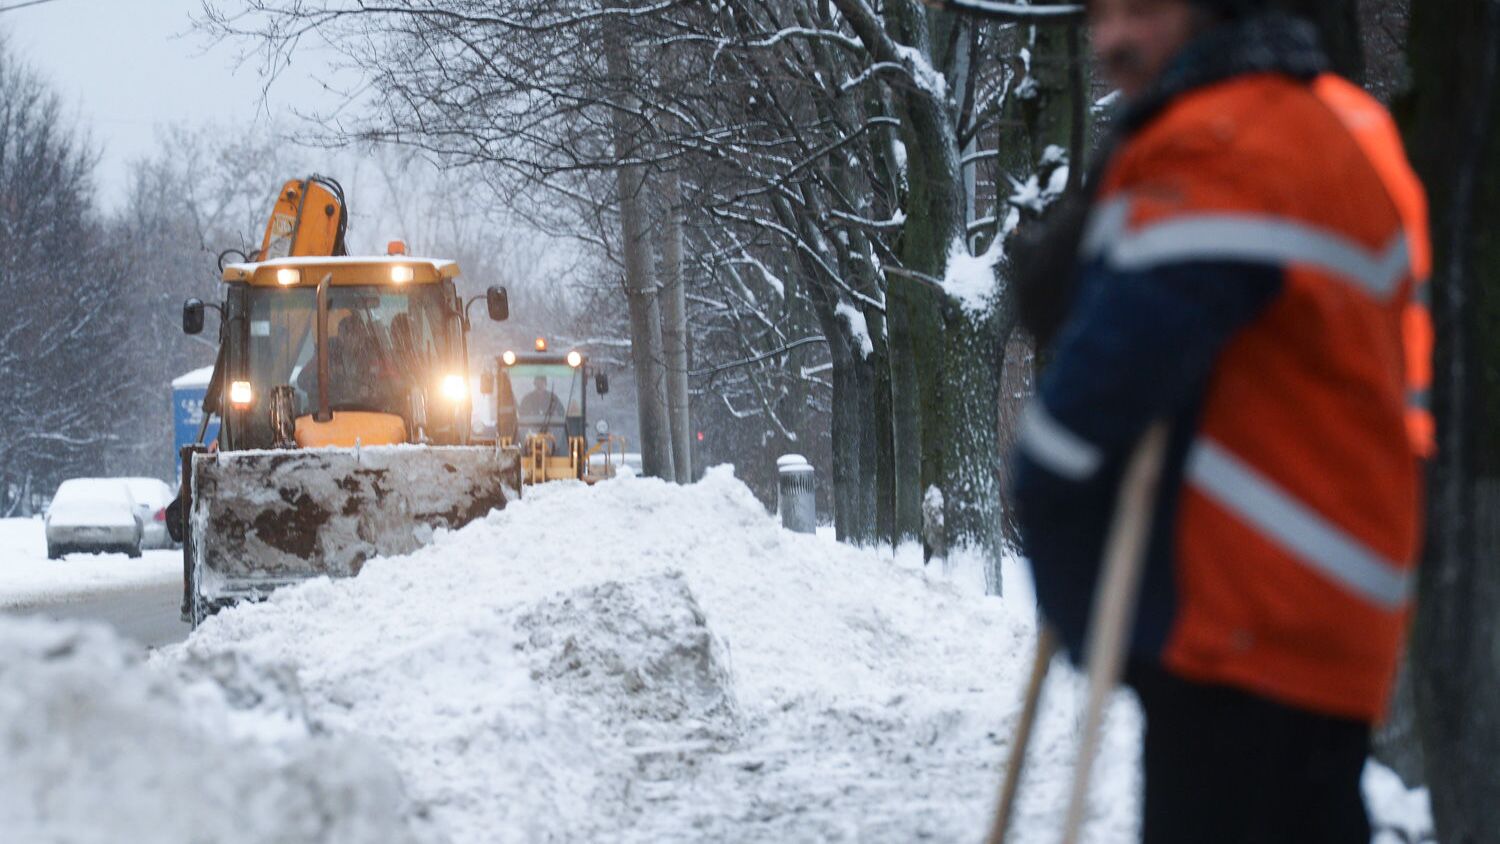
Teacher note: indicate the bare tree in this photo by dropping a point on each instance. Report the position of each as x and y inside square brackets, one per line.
[842, 170]
[63, 287]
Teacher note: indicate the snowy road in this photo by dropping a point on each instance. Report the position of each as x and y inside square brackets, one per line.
[138, 598]
[146, 614]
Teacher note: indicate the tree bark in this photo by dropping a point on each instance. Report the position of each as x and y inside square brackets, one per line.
[1451, 118]
[873, 421]
[906, 412]
[884, 434]
[971, 396]
[674, 333]
[844, 424]
[645, 315]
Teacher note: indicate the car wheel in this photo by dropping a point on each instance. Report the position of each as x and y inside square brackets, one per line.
[54, 552]
[133, 551]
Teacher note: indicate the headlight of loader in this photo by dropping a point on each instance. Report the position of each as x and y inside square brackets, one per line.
[575, 360]
[509, 357]
[240, 394]
[455, 388]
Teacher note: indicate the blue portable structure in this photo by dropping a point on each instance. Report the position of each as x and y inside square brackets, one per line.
[187, 412]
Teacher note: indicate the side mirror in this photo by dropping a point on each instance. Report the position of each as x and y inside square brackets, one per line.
[498, 302]
[192, 317]
[486, 383]
[601, 383]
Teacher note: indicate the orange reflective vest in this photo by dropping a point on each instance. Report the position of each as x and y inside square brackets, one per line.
[1375, 132]
[1298, 526]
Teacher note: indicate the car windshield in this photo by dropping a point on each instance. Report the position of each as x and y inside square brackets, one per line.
[547, 394]
[382, 342]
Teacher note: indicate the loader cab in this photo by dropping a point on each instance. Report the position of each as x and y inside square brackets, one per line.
[541, 405]
[343, 351]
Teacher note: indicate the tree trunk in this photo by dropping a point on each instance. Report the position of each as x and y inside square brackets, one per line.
[853, 434]
[934, 223]
[971, 395]
[844, 426]
[883, 435]
[1450, 118]
[906, 413]
[674, 333]
[865, 529]
[645, 315]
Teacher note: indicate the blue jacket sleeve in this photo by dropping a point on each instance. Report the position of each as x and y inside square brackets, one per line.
[1138, 346]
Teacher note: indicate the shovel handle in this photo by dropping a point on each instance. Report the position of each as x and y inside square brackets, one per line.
[1046, 647]
[1113, 614]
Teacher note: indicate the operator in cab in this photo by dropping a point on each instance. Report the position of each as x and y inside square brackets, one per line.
[540, 409]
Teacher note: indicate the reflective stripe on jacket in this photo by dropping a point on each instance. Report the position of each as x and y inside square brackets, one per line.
[1250, 272]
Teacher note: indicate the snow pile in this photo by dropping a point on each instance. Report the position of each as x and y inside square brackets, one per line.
[28, 577]
[1399, 814]
[634, 661]
[97, 747]
[643, 662]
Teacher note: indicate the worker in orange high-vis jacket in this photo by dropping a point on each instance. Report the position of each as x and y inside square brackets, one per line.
[1250, 272]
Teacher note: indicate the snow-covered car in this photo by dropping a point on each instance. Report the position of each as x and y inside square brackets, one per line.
[94, 515]
[152, 495]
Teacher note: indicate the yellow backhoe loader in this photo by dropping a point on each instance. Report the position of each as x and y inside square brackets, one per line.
[342, 386]
[541, 406]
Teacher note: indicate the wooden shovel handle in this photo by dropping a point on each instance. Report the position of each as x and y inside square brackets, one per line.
[1113, 614]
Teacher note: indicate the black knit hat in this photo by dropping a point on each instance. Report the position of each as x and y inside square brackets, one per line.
[1233, 8]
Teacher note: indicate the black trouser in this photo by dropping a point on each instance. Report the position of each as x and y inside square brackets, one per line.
[1228, 767]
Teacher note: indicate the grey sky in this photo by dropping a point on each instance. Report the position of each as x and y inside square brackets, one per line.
[128, 67]
[125, 67]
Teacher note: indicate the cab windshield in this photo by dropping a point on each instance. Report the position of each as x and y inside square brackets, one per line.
[549, 399]
[382, 343]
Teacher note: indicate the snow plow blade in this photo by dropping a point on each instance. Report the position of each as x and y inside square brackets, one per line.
[262, 519]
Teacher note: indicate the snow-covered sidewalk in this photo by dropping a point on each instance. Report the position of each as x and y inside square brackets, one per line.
[27, 577]
[630, 662]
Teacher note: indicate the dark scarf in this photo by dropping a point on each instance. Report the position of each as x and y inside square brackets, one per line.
[1044, 259]
[1270, 43]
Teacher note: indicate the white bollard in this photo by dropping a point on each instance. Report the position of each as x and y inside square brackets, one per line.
[796, 494]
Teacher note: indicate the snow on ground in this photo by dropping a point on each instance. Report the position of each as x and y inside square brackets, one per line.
[644, 662]
[28, 577]
[97, 749]
[629, 662]
[1400, 815]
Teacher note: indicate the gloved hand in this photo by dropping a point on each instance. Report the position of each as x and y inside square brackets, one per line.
[1045, 264]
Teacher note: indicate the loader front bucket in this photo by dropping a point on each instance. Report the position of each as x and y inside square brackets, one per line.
[262, 519]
